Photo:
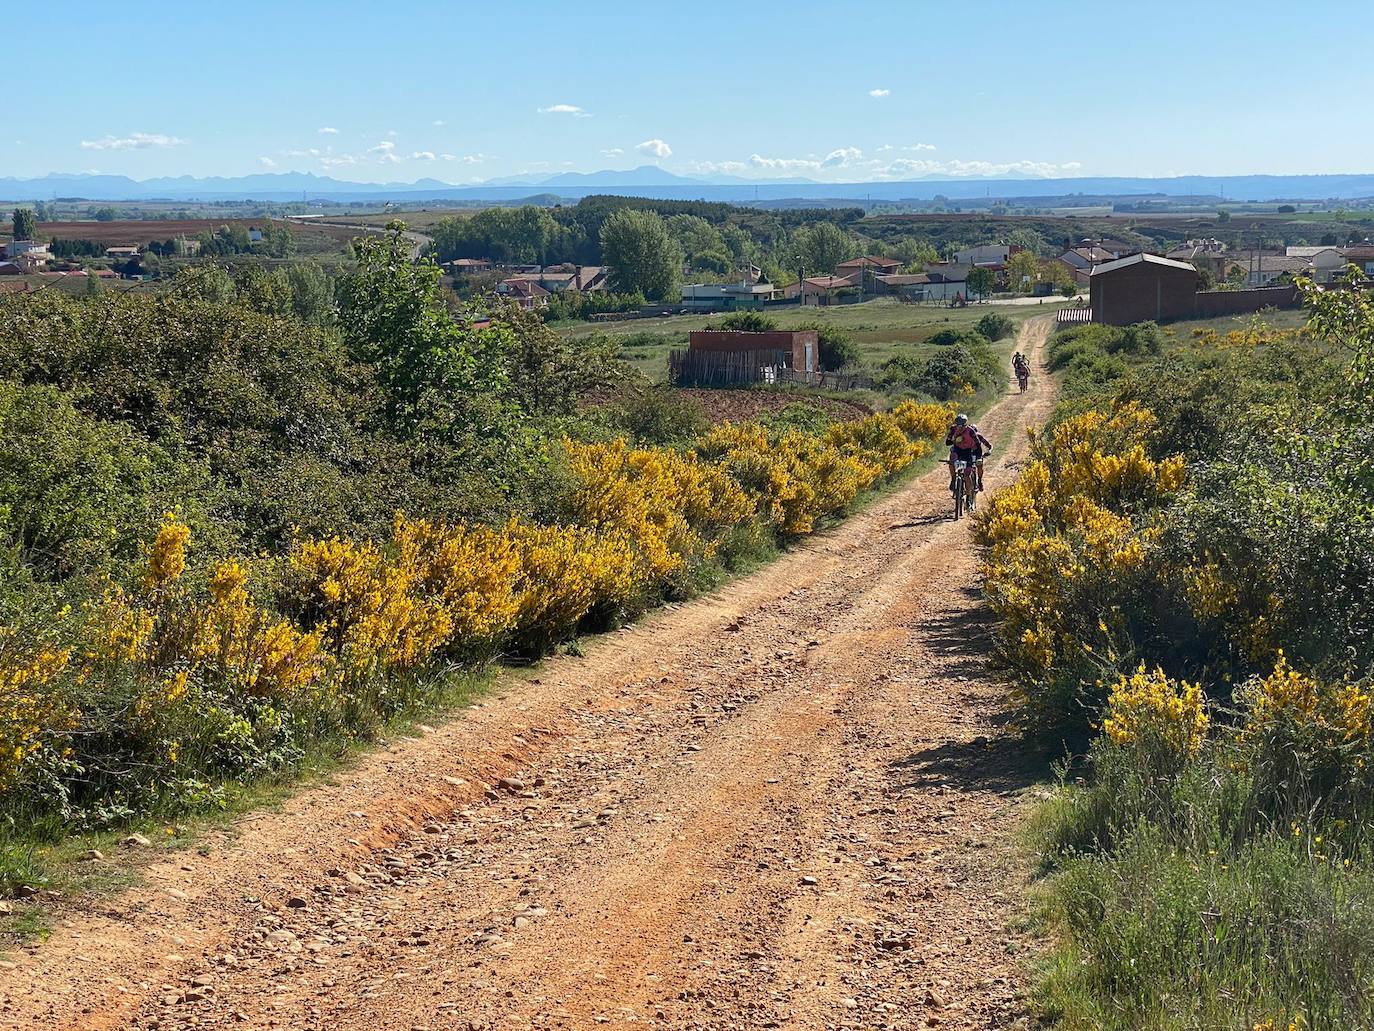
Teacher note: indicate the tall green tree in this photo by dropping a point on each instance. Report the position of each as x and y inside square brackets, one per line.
[700, 243]
[642, 254]
[981, 281]
[823, 246]
[1022, 271]
[23, 224]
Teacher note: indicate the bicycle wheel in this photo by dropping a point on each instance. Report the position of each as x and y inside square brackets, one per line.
[958, 493]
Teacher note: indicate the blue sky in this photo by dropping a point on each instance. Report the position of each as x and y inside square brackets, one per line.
[832, 91]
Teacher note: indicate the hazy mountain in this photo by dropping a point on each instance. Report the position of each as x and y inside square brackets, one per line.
[651, 181]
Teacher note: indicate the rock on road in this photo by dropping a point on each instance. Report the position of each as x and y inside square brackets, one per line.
[785, 805]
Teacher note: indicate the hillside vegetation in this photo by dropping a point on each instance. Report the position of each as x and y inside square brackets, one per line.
[235, 538]
[1183, 579]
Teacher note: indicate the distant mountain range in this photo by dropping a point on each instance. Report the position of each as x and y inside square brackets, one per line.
[651, 181]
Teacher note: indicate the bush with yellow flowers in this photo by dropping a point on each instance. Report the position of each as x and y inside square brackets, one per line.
[195, 667]
[1306, 742]
[1164, 721]
[1066, 549]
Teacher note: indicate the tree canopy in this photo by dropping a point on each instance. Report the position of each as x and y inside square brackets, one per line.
[643, 256]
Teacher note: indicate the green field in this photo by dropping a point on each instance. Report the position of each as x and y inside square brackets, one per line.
[882, 328]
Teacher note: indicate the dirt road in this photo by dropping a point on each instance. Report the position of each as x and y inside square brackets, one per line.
[786, 805]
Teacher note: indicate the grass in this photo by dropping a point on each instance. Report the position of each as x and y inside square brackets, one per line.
[1167, 915]
[882, 328]
[1288, 318]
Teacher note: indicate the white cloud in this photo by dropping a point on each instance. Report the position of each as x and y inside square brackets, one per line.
[880, 93]
[843, 156]
[564, 109]
[612, 152]
[438, 122]
[957, 168]
[849, 164]
[134, 141]
[392, 133]
[467, 159]
[920, 146]
[312, 152]
[655, 148]
[327, 130]
[422, 155]
[267, 163]
[385, 151]
[335, 160]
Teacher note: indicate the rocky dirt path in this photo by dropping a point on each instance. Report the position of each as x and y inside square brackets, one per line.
[786, 805]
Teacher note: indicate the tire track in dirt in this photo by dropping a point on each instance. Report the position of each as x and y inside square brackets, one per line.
[784, 805]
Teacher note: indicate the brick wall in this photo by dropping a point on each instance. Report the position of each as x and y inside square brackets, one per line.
[1211, 303]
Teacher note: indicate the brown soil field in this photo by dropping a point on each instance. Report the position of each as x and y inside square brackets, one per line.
[140, 232]
[743, 405]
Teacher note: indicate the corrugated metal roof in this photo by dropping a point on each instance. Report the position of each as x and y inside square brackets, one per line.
[1136, 259]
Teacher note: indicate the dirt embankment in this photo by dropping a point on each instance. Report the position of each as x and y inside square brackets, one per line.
[786, 805]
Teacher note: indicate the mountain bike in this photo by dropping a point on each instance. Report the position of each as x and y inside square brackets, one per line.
[1023, 378]
[965, 488]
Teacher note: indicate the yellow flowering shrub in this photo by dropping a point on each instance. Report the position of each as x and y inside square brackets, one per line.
[1302, 738]
[671, 507]
[564, 572]
[191, 668]
[795, 478]
[1149, 710]
[166, 556]
[1338, 714]
[1063, 546]
[32, 713]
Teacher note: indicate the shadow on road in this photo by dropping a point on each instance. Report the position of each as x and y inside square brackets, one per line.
[925, 520]
[961, 640]
[1002, 763]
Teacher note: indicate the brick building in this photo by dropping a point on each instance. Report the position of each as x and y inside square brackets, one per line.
[1142, 288]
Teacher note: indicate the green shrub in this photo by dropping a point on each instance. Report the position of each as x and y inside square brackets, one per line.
[995, 326]
[748, 322]
[950, 336]
[77, 494]
[838, 349]
[650, 414]
[955, 372]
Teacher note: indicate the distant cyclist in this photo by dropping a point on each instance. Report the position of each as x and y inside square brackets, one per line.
[1021, 365]
[966, 444]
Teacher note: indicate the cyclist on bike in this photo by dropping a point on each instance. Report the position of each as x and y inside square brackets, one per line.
[966, 444]
[1021, 366]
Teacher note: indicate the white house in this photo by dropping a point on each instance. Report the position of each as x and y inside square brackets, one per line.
[983, 254]
[1327, 262]
[36, 251]
[727, 296]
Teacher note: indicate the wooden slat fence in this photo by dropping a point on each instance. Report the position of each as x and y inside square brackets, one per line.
[724, 368]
